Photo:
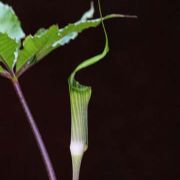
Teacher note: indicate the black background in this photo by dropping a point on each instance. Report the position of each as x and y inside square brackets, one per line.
[134, 111]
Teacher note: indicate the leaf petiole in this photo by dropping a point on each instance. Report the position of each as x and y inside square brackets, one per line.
[35, 130]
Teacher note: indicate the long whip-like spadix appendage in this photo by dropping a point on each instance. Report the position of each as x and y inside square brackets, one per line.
[79, 100]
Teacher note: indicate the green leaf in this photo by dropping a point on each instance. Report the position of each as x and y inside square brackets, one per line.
[43, 42]
[46, 40]
[9, 22]
[1, 69]
[37, 46]
[71, 31]
[8, 51]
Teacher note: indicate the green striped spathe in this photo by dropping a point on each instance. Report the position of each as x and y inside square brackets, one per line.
[79, 99]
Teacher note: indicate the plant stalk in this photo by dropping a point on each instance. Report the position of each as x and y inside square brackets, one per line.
[35, 130]
[76, 162]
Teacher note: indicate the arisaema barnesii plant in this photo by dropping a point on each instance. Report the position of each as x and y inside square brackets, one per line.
[19, 52]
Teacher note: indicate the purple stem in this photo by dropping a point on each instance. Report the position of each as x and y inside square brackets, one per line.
[35, 130]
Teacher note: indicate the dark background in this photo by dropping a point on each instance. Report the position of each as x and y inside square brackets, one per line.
[134, 111]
